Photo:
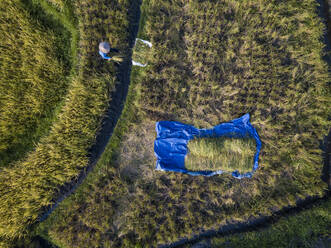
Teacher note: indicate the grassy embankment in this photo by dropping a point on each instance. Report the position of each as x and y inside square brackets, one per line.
[30, 185]
[34, 76]
[212, 62]
[309, 228]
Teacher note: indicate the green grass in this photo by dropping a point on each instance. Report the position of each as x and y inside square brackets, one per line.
[60, 4]
[220, 154]
[307, 228]
[212, 62]
[35, 69]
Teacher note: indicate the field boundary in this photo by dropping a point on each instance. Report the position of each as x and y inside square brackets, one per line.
[250, 225]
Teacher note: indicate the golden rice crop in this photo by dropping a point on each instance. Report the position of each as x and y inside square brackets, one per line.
[33, 80]
[32, 184]
[224, 154]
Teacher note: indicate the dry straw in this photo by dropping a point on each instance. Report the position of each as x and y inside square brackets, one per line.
[220, 154]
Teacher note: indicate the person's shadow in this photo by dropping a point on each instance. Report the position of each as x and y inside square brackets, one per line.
[114, 50]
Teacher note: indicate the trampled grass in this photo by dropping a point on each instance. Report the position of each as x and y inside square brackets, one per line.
[211, 62]
[224, 154]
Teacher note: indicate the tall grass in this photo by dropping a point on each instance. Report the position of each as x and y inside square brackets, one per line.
[220, 154]
[33, 79]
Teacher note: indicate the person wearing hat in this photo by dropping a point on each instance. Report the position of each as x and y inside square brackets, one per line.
[104, 48]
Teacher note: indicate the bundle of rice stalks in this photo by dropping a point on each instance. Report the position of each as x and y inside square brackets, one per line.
[225, 154]
[118, 58]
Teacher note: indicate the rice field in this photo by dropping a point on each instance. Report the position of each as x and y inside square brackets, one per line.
[35, 67]
[211, 61]
[32, 184]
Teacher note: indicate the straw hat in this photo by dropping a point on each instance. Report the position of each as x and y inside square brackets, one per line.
[104, 47]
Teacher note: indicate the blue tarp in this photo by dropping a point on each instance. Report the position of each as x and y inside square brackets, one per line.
[170, 145]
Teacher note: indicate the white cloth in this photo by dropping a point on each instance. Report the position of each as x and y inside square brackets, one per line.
[148, 44]
[144, 41]
[138, 64]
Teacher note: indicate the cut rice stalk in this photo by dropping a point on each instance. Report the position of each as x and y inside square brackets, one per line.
[227, 154]
[118, 58]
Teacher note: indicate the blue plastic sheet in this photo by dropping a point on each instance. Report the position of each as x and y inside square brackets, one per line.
[170, 145]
